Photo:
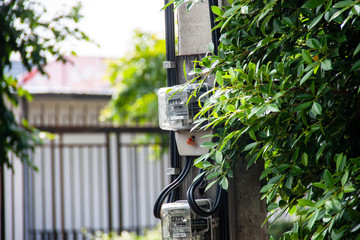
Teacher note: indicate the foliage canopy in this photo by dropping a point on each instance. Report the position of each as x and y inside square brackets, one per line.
[25, 32]
[286, 91]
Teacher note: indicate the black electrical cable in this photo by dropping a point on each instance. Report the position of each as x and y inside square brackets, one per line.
[192, 202]
[174, 163]
[171, 187]
[170, 43]
[215, 33]
[171, 81]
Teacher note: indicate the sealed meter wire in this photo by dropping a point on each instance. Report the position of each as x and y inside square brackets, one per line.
[176, 112]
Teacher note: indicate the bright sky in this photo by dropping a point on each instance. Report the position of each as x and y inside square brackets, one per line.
[111, 23]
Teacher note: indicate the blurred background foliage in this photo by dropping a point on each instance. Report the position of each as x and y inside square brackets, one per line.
[25, 34]
[136, 78]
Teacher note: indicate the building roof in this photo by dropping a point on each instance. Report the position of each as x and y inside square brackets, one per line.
[80, 75]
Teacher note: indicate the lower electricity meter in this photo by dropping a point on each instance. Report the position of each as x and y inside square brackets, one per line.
[179, 222]
[176, 113]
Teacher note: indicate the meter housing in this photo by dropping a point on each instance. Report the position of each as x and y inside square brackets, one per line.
[179, 222]
[176, 113]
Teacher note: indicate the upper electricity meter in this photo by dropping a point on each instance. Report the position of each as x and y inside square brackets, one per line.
[176, 113]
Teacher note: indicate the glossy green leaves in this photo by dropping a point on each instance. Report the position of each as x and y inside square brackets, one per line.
[287, 95]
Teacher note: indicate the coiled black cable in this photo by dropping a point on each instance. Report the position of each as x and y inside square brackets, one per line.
[192, 202]
[171, 187]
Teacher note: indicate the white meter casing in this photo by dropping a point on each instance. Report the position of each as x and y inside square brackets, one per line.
[176, 113]
[179, 222]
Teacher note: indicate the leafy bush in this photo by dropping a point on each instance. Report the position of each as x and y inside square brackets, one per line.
[286, 91]
[24, 31]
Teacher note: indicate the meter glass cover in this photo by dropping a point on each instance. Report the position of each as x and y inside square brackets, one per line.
[176, 221]
[175, 111]
[179, 222]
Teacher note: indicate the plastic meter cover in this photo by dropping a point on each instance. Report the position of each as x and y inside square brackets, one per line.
[175, 112]
[176, 221]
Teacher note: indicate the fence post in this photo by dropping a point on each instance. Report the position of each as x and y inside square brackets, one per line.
[24, 107]
[2, 204]
[118, 152]
[108, 162]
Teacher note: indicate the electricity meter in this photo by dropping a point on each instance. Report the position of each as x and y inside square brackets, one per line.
[179, 222]
[176, 113]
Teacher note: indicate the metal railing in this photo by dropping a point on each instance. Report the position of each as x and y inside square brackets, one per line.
[95, 181]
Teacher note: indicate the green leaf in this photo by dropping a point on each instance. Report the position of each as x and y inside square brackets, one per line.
[306, 76]
[231, 11]
[207, 144]
[231, 108]
[355, 66]
[272, 206]
[319, 185]
[199, 176]
[315, 21]
[219, 157]
[206, 164]
[219, 78]
[337, 14]
[357, 49]
[275, 179]
[250, 146]
[319, 234]
[313, 3]
[273, 108]
[213, 175]
[344, 178]
[296, 170]
[319, 153]
[302, 106]
[266, 188]
[306, 56]
[224, 183]
[210, 47]
[289, 182]
[287, 21]
[252, 160]
[329, 180]
[340, 162]
[313, 219]
[354, 229]
[316, 108]
[292, 210]
[216, 10]
[304, 159]
[306, 203]
[265, 173]
[210, 185]
[313, 43]
[349, 189]
[336, 205]
[326, 65]
[342, 4]
[356, 10]
[282, 167]
[184, 70]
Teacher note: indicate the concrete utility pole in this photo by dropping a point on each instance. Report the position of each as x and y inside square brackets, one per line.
[247, 212]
